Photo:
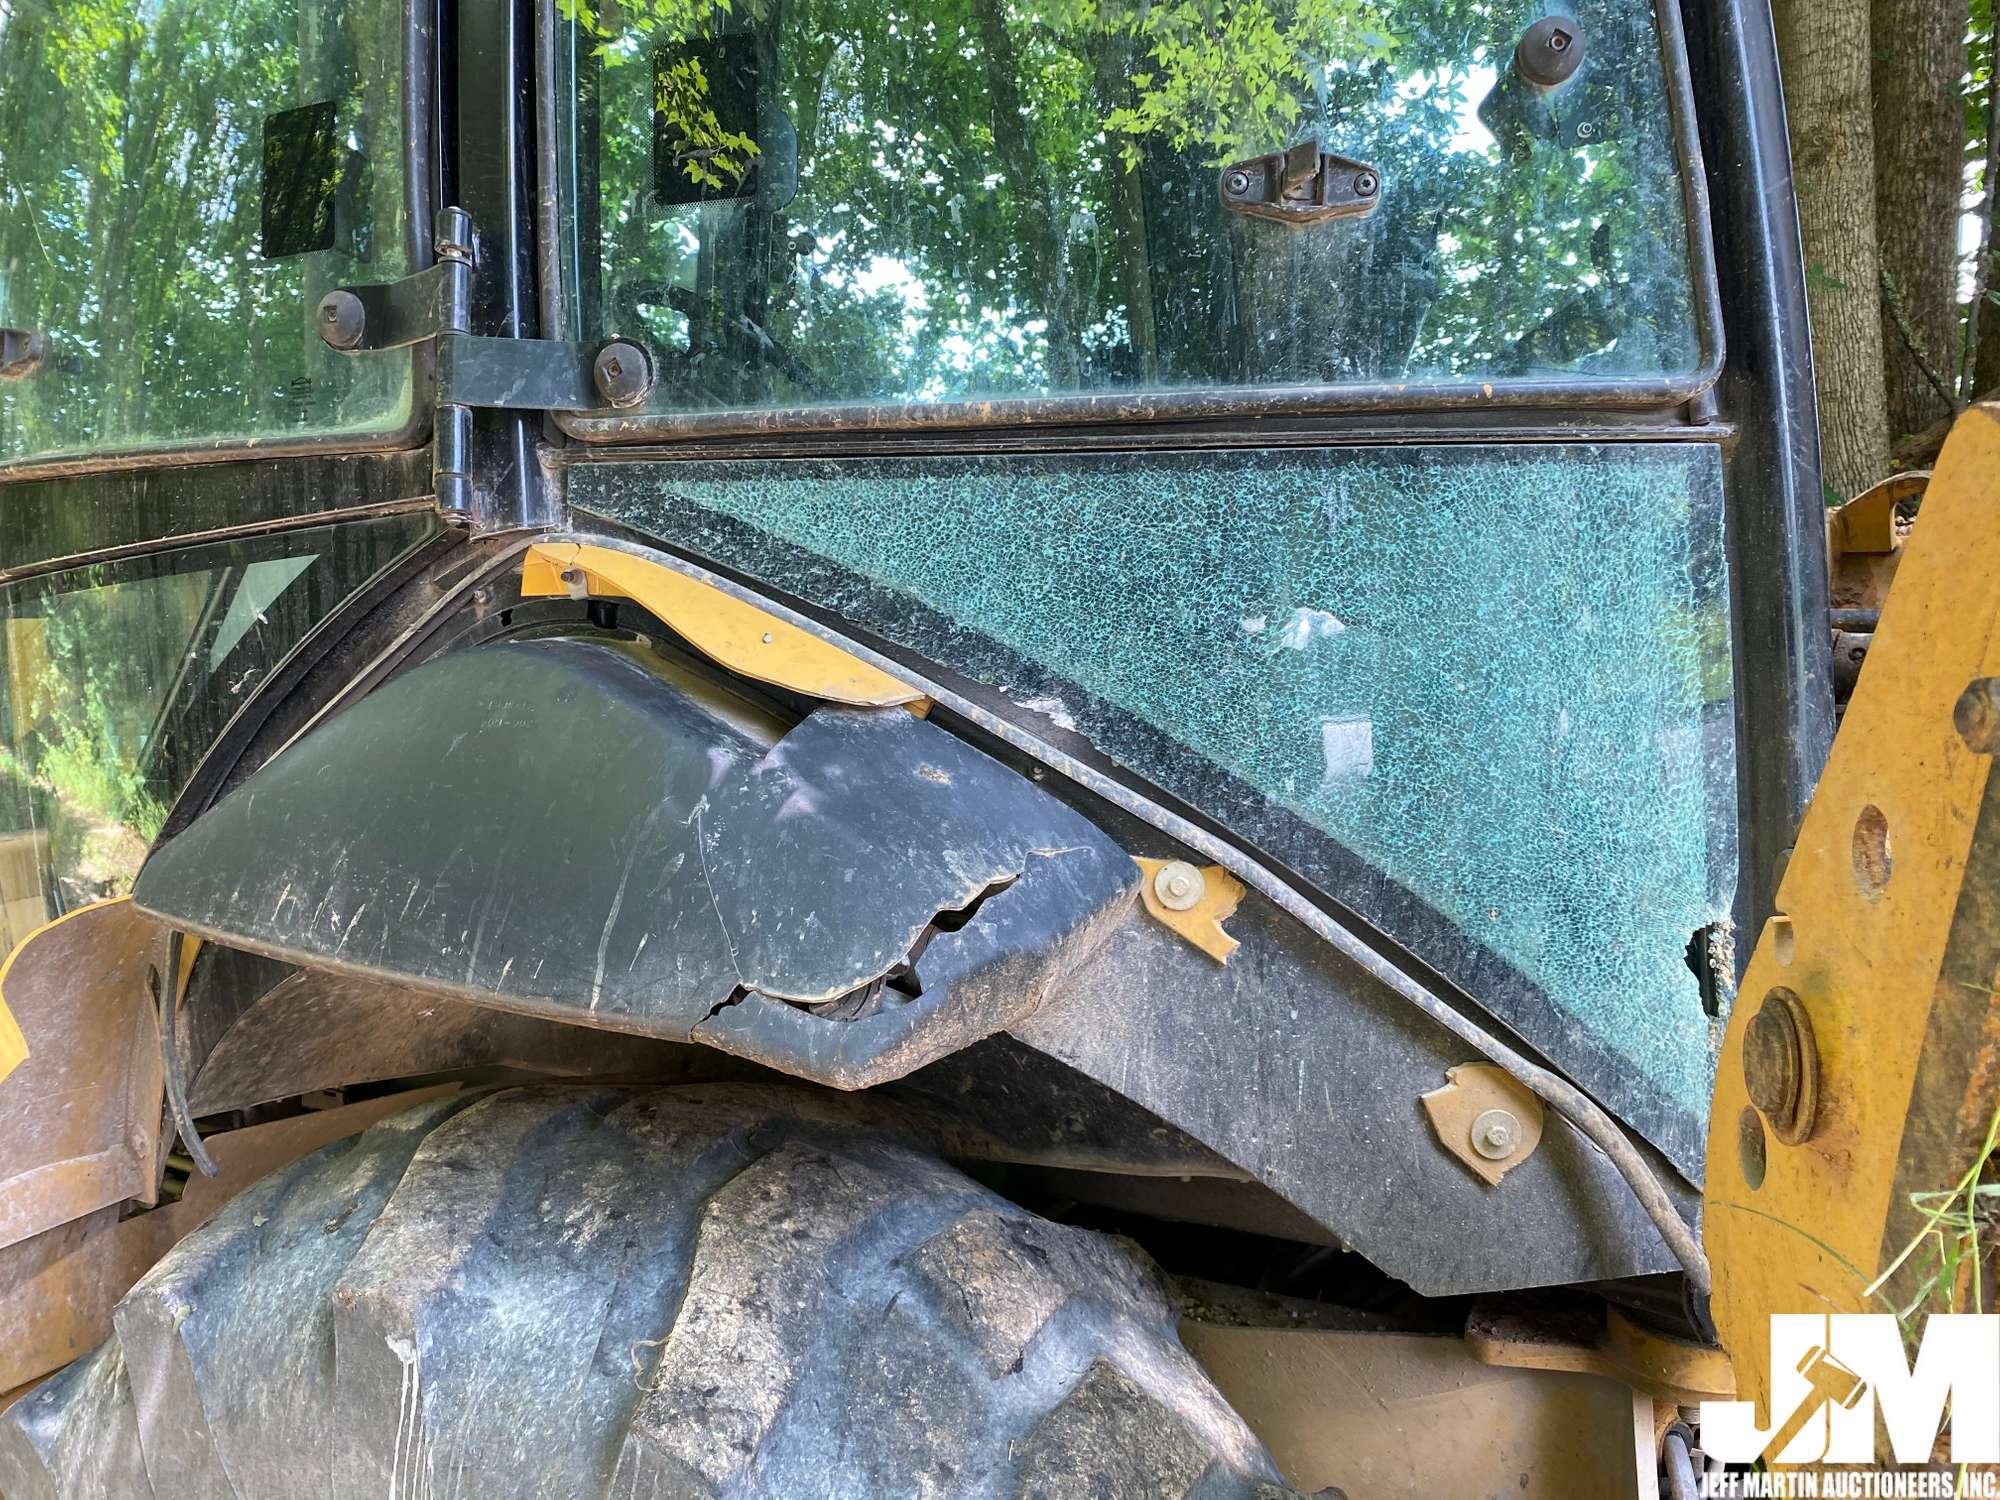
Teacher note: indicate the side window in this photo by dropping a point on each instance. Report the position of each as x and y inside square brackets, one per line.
[871, 201]
[179, 183]
[117, 678]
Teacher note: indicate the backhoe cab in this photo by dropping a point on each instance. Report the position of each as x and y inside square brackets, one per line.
[880, 749]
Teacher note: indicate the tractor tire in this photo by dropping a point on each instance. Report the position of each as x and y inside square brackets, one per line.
[645, 1292]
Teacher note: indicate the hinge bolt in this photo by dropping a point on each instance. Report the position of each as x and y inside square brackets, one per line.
[452, 235]
[1179, 885]
[623, 373]
[1496, 1134]
[343, 321]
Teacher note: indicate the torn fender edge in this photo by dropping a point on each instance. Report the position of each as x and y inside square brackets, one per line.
[553, 828]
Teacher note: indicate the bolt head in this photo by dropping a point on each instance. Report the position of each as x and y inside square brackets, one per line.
[1179, 886]
[1976, 716]
[623, 373]
[1365, 184]
[1550, 51]
[343, 321]
[1496, 1134]
[1771, 1061]
[1238, 183]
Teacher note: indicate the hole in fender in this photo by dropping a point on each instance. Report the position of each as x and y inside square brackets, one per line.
[1750, 1147]
[1872, 860]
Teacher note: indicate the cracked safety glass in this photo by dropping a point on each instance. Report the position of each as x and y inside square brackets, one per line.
[1482, 696]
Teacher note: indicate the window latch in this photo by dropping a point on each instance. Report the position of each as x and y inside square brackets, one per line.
[1303, 185]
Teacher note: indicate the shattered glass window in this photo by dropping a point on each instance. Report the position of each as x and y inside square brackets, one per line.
[1493, 679]
[878, 202]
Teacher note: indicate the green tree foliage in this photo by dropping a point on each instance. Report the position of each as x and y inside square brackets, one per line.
[999, 198]
[131, 200]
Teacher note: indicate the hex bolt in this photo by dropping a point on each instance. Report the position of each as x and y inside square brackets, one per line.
[622, 372]
[343, 321]
[1365, 184]
[1179, 885]
[1496, 1134]
[1976, 716]
[1237, 183]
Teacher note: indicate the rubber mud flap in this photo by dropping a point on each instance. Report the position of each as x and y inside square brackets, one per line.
[713, 1290]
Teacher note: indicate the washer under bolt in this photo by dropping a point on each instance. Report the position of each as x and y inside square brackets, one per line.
[622, 373]
[1496, 1134]
[1179, 885]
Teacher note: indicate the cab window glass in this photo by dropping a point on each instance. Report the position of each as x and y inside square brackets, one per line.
[817, 202]
[119, 676]
[180, 180]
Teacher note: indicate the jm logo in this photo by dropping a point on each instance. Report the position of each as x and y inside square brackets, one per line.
[1832, 1374]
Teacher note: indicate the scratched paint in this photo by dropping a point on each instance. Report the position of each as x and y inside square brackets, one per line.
[1498, 676]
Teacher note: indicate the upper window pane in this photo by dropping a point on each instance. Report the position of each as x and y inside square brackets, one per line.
[180, 181]
[876, 201]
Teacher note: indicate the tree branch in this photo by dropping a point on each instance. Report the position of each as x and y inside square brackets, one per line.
[1900, 316]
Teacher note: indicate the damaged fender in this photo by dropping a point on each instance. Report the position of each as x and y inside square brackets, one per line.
[552, 827]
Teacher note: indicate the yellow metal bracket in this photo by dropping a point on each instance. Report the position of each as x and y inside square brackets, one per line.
[1858, 1068]
[1485, 1118]
[723, 628]
[1192, 903]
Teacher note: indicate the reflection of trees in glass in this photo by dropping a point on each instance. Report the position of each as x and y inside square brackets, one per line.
[131, 141]
[116, 679]
[86, 677]
[994, 198]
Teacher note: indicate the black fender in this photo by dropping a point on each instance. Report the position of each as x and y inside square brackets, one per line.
[554, 827]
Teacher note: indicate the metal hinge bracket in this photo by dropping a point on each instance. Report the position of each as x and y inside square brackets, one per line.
[475, 370]
[1302, 185]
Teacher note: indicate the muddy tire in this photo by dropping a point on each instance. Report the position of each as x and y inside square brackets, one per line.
[686, 1292]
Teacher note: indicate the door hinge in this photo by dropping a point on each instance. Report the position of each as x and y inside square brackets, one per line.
[476, 370]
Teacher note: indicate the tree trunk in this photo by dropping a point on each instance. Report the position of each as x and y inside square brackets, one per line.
[1037, 213]
[1919, 149]
[1825, 48]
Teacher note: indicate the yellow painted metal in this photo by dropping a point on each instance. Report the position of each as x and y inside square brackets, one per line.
[1200, 924]
[1885, 940]
[1474, 1090]
[1526, 1337]
[80, 1119]
[728, 631]
[1864, 544]
[1415, 1414]
[13, 1046]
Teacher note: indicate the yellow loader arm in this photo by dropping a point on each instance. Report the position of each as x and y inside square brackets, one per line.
[1860, 1068]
